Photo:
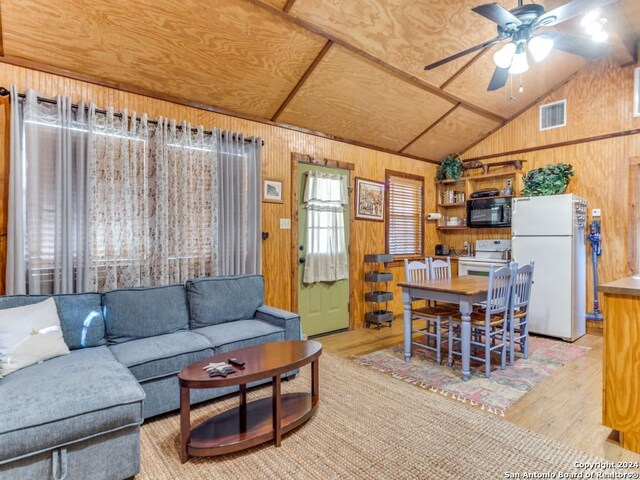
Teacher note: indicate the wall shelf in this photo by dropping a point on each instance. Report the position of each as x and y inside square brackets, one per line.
[452, 227]
[452, 205]
[462, 189]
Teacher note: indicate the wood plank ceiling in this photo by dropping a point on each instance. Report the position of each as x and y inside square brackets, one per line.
[352, 69]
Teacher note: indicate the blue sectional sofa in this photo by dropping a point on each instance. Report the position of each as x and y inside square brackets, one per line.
[70, 416]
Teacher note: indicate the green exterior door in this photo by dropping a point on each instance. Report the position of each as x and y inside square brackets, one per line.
[323, 306]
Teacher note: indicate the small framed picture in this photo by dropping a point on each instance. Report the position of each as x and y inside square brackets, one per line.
[369, 200]
[272, 190]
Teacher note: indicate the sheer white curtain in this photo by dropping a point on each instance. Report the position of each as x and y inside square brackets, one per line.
[48, 185]
[240, 200]
[325, 196]
[183, 206]
[154, 208]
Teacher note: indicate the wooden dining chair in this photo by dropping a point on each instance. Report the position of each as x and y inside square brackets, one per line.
[439, 269]
[488, 327]
[518, 331]
[436, 317]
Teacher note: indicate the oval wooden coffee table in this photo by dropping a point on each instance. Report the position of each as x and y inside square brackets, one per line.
[256, 422]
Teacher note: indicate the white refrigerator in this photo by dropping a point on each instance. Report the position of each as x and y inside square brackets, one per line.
[550, 230]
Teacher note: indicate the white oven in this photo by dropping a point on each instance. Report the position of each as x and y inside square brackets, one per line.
[488, 252]
[473, 267]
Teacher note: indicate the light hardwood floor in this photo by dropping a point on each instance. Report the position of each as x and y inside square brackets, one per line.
[566, 406]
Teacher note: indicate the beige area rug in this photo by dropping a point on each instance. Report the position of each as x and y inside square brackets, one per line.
[367, 426]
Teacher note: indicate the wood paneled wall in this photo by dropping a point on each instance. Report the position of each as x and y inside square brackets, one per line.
[599, 102]
[279, 143]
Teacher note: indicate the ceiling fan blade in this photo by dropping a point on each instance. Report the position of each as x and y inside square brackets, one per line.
[463, 53]
[497, 14]
[583, 46]
[499, 79]
[569, 10]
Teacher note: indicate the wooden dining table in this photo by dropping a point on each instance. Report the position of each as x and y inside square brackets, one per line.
[462, 290]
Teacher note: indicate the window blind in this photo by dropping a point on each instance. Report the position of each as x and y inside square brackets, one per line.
[404, 215]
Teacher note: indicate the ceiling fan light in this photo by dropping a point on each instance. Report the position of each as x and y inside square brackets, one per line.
[540, 47]
[593, 28]
[590, 17]
[600, 37]
[502, 58]
[519, 63]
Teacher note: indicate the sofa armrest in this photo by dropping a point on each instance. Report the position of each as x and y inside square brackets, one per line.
[283, 319]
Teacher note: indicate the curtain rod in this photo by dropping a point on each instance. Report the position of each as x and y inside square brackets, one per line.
[4, 92]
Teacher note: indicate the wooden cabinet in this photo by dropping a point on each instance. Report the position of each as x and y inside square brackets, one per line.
[621, 369]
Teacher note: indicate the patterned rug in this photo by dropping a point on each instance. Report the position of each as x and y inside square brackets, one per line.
[495, 394]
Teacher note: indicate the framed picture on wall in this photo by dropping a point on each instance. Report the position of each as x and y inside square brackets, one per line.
[369, 200]
[272, 190]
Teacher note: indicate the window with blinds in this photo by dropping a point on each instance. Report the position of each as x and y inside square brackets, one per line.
[405, 225]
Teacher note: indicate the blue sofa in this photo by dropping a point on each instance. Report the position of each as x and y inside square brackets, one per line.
[70, 416]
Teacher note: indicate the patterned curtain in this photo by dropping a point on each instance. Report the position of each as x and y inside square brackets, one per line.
[153, 212]
[99, 201]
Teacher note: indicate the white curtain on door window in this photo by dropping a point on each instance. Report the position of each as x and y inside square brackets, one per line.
[326, 257]
[48, 184]
[240, 201]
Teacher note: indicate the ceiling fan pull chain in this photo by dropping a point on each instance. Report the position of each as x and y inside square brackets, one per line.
[511, 98]
[521, 89]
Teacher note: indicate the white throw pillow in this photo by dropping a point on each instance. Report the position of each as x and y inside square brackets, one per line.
[29, 335]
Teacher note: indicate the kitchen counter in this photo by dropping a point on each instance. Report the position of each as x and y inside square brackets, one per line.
[623, 286]
[454, 258]
[621, 369]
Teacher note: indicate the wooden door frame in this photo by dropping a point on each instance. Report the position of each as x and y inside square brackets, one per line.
[634, 216]
[297, 158]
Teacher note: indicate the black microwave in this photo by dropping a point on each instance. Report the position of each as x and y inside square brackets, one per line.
[489, 212]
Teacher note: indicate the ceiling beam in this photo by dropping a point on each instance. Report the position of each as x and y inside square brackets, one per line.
[429, 127]
[20, 62]
[287, 8]
[548, 146]
[397, 72]
[303, 79]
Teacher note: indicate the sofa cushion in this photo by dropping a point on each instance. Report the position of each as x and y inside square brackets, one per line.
[65, 399]
[144, 312]
[217, 300]
[28, 335]
[80, 316]
[242, 333]
[163, 355]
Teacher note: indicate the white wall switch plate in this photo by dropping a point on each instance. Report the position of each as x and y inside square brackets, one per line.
[285, 224]
[595, 212]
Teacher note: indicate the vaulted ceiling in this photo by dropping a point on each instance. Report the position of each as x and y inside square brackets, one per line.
[350, 69]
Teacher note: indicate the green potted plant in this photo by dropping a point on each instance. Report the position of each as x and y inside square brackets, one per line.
[550, 180]
[450, 168]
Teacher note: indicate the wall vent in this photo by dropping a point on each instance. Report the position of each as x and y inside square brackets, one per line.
[553, 115]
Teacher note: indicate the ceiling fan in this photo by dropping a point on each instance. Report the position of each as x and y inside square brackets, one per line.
[519, 26]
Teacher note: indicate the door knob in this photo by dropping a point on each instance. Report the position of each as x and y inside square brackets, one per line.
[301, 260]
